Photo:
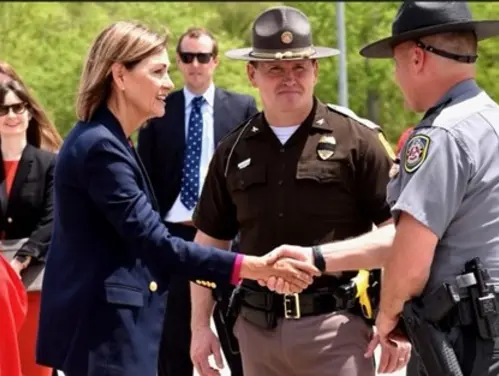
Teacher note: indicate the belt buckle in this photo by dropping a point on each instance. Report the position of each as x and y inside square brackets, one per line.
[292, 306]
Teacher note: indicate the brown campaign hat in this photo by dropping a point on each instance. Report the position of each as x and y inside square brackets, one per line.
[281, 33]
[416, 19]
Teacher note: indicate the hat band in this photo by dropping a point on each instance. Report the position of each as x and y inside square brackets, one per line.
[290, 54]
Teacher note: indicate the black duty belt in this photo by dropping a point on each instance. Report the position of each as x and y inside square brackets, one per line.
[289, 306]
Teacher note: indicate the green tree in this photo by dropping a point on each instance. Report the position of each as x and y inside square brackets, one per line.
[47, 42]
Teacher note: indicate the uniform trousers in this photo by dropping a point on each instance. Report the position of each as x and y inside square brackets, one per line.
[325, 345]
[174, 352]
[476, 356]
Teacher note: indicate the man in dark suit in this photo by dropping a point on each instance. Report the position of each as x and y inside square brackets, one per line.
[176, 150]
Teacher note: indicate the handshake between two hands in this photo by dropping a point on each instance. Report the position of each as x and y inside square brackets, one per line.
[285, 270]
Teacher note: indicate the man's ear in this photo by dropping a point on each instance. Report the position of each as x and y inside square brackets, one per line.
[250, 71]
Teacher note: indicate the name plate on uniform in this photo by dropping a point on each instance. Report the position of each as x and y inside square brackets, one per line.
[32, 276]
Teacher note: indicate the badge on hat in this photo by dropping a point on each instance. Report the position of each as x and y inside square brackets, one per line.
[416, 152]
[326, 147]
[286, 37]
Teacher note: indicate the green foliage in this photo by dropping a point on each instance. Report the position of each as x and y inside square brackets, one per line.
[47, 43]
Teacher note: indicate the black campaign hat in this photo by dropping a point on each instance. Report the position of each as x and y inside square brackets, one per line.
[281, 33]
[416, 19]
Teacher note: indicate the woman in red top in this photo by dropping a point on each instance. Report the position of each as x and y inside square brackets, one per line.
[28, 141]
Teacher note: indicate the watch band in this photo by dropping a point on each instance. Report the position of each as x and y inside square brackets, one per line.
[319, 260]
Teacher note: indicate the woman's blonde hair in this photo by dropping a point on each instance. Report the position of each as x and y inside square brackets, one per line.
[41, 131]
[127, 43]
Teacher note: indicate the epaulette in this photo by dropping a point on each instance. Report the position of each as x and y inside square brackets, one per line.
[348, 112]
[238, 128]
[366, 122]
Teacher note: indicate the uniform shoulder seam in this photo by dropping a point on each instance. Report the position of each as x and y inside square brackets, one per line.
[352, 115]
[238, 129]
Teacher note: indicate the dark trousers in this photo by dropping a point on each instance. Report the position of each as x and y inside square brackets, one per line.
[476, 356]
[174, 352]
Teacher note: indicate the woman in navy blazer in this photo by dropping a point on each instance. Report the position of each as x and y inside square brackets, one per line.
[111, 257]
[28, 140]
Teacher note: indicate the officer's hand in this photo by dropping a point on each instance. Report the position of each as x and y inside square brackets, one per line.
[204, 343]
[17, 266]
[279, 285]
[292, 251]
[395, 351]
[298, 274]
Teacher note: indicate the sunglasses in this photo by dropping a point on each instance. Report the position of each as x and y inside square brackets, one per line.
[18, 108]
[188, 57]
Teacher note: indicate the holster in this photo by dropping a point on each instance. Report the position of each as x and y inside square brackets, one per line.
[259, 316]
[436, 353]
[228, 307]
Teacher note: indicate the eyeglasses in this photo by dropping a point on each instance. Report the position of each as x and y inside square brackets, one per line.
[18, 108]
[188, 57]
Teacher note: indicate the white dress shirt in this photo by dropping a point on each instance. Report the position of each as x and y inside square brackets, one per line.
[178, 212]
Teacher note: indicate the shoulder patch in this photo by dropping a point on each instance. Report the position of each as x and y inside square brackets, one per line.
[416, 152]
[348, 112]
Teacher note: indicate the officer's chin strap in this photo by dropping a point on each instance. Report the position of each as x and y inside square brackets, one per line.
[468, 59]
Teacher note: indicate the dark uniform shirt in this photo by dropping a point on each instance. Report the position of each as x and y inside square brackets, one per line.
[288, 194]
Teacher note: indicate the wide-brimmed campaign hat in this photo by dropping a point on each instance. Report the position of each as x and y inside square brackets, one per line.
[416, 19]
[281, 33]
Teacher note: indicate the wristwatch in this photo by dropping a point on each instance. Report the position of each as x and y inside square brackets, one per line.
[319, 260]
[23, 260]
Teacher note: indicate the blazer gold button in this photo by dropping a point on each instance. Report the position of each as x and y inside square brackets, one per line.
[9, 219]
[153, 286]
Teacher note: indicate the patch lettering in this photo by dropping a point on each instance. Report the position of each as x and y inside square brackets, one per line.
[416, 152]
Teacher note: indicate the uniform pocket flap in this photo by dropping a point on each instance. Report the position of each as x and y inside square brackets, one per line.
[247, 177]
[325, 174]
[124, 295]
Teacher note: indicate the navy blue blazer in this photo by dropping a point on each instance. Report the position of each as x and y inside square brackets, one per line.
[161, 144]
[110, 259]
